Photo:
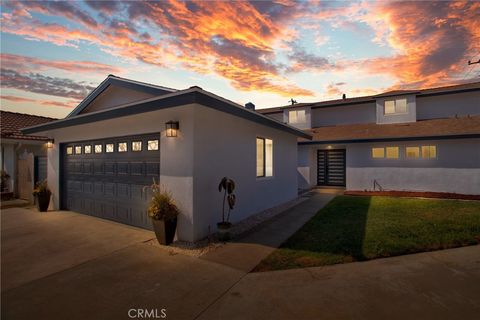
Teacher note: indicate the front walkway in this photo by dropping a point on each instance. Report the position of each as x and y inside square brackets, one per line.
[245, 253]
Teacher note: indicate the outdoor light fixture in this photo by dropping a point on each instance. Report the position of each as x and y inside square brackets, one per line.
[50, 144]
[172, 128]
[329, 147]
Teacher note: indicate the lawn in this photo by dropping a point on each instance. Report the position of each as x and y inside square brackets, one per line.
[353, 228]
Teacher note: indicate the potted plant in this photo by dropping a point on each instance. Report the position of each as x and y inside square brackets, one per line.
[42, 195]
[227, 186]
[163, 212]
[4, 181]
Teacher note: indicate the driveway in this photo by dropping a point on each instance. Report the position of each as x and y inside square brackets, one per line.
[64, 265]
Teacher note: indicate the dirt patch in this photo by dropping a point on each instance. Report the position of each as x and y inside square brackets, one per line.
[416, 194]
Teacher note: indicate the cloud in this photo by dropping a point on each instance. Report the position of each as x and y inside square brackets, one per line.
[25, 64]
[17, 99]
[303, 61]
[37, 83]
[186, 36]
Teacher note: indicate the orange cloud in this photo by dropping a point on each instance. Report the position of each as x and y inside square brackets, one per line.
[27, 64]
[17, 99]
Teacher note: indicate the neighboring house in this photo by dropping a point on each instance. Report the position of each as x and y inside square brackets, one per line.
[115, 143]
[416, 140]
[24, 157]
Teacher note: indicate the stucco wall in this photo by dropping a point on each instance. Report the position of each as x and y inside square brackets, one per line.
[449, 105]
[409, 116]
[176, 154]
[456, 168]
[277, 116]
[342, 115]
[114, 96]
[225, 145]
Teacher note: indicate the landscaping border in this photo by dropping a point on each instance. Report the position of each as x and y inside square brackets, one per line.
[415, 194]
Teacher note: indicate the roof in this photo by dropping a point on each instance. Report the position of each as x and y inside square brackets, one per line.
[12, 122]
[473, 86]
[120, 82]
[424, 129]
[173, 99]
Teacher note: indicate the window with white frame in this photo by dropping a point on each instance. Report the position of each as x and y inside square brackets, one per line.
[395, 106]
[264, 157]
[297, 116]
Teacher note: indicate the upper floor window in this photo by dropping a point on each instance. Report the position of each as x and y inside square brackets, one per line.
[264, 157]
[395, 106]
[297, 116]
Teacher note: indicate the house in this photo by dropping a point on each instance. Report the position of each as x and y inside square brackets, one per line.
[127, 133]
[23, 157]
[415, 140]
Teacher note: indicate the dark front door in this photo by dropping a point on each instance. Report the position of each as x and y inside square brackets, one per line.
[331, 167]
[109, 178]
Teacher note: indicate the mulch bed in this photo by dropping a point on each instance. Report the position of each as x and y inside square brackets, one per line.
[438, 195]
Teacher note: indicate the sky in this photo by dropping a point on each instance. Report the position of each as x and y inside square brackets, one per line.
[265, 52]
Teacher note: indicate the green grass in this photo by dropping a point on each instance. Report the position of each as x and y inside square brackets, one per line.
[352, 228]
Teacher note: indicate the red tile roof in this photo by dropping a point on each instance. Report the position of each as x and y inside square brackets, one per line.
[420, 129]
[12, 122]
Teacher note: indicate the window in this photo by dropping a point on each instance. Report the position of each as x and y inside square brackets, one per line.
[296, 116]
[122, 147]
[429, 152]
[152, 145]
[109, 147]
[98, 148]
[137, 146]
[395, 106]
[69, 150]
[392, 152]
[78, 149]
[412, 152]
[378, 152]
[87, 149]
[264, 157]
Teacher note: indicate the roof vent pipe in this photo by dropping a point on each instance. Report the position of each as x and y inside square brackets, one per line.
[250, 106]
[344, 96]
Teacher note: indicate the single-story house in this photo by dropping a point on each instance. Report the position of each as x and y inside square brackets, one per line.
[127, 133]
[23, 157]
[403, 140]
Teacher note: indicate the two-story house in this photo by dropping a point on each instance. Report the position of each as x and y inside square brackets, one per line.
[415, 140]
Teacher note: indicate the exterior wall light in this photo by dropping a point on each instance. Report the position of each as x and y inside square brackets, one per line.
[171, 128]
[50, 144]
[329, 147]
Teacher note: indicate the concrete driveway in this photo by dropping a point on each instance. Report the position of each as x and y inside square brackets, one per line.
[63, 265]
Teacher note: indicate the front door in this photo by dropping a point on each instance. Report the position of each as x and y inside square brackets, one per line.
[331, 167]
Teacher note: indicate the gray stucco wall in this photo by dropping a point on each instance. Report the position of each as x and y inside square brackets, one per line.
[449, 105]
[456, 168]
[409, 116]
[277, 116]
[351, 114]
[225, 145]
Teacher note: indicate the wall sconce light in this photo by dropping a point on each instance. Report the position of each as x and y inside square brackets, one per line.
[171, 128]
[329, 147]
[50, 144]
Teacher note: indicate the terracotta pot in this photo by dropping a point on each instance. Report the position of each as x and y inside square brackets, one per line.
[164, 230]
[43, 200]
[223, 231]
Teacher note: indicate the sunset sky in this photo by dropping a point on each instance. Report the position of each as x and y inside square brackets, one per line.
[54, 53]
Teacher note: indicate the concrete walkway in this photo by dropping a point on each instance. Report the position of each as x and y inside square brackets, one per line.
[435, 285]
[245, 253]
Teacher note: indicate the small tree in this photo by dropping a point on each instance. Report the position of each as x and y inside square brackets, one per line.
[227, 186]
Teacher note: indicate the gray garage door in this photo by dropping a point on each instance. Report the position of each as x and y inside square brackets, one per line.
[107, 178]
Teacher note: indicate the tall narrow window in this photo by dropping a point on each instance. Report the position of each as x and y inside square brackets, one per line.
[264, 157]
[260, 157]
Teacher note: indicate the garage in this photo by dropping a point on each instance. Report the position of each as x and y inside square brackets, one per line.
[109, 178]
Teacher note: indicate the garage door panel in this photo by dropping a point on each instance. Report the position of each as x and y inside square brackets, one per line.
[111, 185]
